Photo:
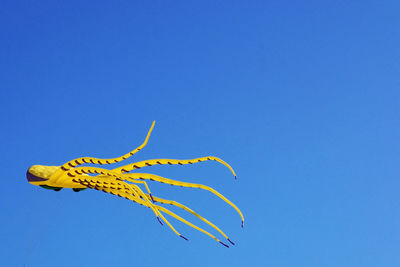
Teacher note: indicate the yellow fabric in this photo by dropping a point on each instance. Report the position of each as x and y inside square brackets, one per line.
[79, 161]
[124, 184]
[151, 162]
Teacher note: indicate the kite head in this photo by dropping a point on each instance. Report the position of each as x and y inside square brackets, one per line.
[39, 174]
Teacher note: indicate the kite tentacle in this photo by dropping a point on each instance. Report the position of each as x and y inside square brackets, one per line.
[144, 203]
[79, 161]
[177, 204]
[150, 196]
[144, 197]
[105, 173]
[134, 193]
[157, 178]
[190, 224]
[140, 164]
[105, 183]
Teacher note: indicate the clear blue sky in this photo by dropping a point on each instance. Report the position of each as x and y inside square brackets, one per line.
[301, 98]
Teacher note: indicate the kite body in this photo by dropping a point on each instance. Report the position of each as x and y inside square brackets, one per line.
[121, 182]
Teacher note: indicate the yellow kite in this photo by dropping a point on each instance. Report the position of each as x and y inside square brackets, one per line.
[121, 182]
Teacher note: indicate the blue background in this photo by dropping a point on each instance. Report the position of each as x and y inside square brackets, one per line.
[301, 98]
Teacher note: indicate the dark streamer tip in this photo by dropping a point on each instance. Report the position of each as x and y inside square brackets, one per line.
[242, 224]
[152, 199]
[184, 237]
[224, 244]
[231, 242]
[235, 177]
[158, 218]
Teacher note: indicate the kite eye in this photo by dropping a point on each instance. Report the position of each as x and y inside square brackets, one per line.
[32, 178]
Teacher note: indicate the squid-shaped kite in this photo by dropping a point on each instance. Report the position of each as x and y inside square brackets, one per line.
[121, 182]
